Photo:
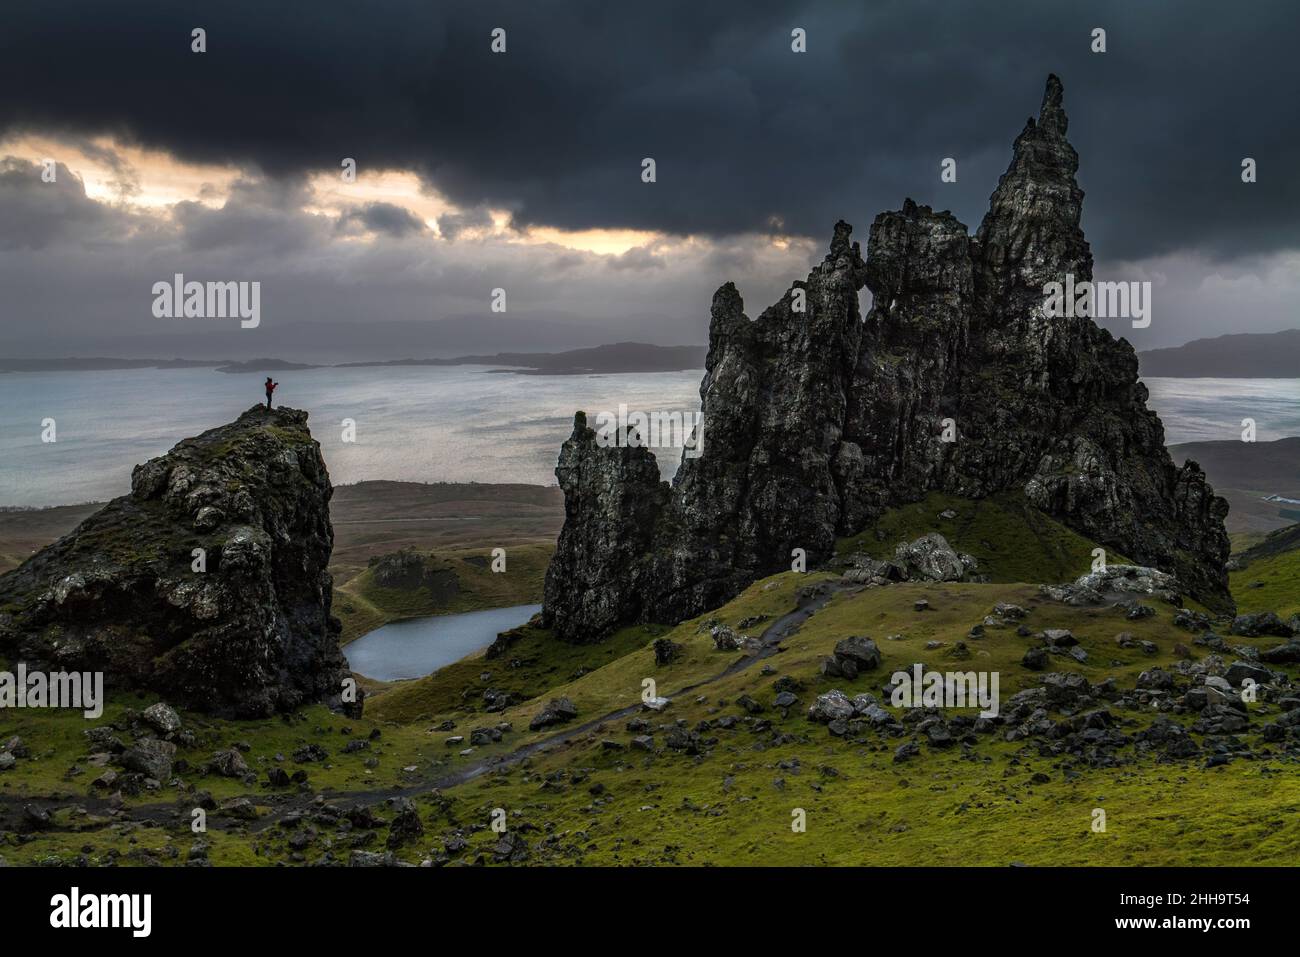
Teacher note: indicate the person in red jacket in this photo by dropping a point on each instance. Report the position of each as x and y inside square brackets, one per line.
[270, 387]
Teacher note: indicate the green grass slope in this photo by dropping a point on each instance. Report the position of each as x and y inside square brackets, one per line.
[1268, 578]
[363, 605]
[1011, 540]
[583, 793]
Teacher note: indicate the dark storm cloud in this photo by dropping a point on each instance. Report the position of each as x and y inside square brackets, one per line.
[396, 221]
[36, 217]
[451, 225]
[78, 275]
[742, 129]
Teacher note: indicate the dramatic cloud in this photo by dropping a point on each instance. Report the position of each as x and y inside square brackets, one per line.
[78, 275]
[546, 141]
[384, 218]
[742, 128]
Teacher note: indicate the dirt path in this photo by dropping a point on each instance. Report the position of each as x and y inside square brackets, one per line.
[12, 807]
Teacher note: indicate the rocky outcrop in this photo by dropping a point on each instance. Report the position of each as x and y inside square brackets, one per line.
[931, 558]
[206, 584]
[614, 502]
[817, 420]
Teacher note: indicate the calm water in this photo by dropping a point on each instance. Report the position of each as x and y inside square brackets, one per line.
[420, 646]
[1198, 410]
[454, 424]
[428, 424]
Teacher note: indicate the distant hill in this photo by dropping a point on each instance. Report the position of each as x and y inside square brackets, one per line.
[616, 357]
[1245, 473]
[613, 358]
[99, 363]
[263, 365]
[1266, 467]
[1247, 355]
[1276, 543]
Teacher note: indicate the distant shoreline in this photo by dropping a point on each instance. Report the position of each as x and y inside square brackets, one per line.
[616, 358]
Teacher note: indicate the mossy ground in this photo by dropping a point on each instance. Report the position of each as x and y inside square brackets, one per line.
[1280, 591]
[1012, 541]
[586, 801]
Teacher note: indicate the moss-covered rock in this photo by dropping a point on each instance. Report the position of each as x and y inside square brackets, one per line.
[207, 583]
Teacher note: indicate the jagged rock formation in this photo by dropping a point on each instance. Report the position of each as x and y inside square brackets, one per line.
[613, 504]
[817, 421]
[249, 634]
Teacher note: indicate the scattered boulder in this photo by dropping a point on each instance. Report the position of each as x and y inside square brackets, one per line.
[1287, 654]
[151, 757]
[1155, 679]
[406, 826]
[1116, 582]
[852, 656]
[1239, 671]
[1060, 637]
[241, 809]
[162, 717]
[1261, 623]
[556, 711]
[228, 763]
[1035, 659]
[931, 558]
[832, 706]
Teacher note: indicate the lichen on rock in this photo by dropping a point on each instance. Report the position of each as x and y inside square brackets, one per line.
[206, 584]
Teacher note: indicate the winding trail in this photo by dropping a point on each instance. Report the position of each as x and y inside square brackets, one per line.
[12, 807]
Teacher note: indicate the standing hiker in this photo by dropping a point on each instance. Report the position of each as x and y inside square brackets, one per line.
[270, 387]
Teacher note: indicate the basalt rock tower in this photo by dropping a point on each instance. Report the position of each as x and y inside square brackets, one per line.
[207, 584]
[816, 420]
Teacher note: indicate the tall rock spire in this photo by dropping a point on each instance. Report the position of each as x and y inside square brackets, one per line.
[1030, 235]
[1051, 115]
[817, 422]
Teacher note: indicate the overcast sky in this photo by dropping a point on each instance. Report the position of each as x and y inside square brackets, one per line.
[522, 170]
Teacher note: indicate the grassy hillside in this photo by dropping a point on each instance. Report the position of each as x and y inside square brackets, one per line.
[1269, 579]
[727, 767]
[1012, 541]
[465, 582]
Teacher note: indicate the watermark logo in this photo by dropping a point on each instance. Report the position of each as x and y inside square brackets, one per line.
[132, 911]
[83, 691]
[946, 689]
[179, 299]
[654, 430]
[1098, 300]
